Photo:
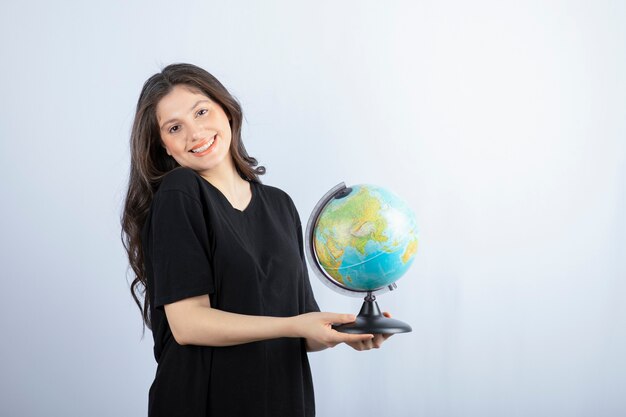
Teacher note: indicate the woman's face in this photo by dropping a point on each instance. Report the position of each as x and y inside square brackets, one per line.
[194, 130]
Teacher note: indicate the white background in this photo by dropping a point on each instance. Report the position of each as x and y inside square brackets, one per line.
[502, 123]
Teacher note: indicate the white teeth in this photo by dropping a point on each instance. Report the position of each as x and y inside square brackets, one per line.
[203, 148]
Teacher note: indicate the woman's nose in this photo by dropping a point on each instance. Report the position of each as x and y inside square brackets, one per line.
[198, 132]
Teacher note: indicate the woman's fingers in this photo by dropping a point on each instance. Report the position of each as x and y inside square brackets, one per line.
[340, 318]
[378, 340]
[369, 343]
[356, 341]
[355, 338]
[361, 341]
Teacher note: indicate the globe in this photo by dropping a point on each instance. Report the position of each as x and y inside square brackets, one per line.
[361, 240]
[366, 239]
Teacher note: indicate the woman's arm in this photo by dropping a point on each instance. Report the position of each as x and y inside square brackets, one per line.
[194, 322]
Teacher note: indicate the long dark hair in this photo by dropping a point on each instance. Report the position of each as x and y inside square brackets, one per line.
[150, 162]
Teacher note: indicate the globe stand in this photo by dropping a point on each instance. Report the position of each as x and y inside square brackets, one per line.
[371, 320]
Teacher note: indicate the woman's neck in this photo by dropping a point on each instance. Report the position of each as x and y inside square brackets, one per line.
[226, 179]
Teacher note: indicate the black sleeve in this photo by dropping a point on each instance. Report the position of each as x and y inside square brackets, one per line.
[181, 256]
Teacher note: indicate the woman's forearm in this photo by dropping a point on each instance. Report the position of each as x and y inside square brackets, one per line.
[214, 327]
[206, 326]
[194, 322]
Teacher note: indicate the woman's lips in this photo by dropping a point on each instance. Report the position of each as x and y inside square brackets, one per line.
[214, 139]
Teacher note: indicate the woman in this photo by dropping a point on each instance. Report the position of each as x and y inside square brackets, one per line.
[218, 260]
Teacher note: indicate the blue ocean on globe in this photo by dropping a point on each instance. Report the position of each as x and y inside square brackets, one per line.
[367, 239]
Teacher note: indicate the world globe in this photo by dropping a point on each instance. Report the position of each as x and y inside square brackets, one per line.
[360, 241]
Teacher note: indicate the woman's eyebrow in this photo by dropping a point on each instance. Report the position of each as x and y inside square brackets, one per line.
[192, 107]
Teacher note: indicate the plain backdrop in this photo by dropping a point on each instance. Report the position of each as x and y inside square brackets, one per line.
[502, 124]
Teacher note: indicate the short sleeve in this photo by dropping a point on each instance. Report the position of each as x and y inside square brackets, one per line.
[180, 248]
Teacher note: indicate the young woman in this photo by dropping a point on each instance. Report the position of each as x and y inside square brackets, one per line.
[218, 261]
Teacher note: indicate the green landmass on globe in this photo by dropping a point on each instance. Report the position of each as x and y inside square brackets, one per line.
[367, 239]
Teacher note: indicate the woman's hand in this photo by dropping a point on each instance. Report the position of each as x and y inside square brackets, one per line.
[372, 343]
[317, 329]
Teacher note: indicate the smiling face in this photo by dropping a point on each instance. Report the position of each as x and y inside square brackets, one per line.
[195, 130]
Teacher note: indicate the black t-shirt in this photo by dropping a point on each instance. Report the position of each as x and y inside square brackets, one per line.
[249, 262]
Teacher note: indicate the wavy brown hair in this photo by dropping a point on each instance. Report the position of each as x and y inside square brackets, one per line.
[150, 162]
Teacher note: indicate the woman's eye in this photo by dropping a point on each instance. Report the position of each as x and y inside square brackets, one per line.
[174, 129]
[201, 112]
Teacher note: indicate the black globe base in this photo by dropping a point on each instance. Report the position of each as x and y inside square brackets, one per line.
[371, 320]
